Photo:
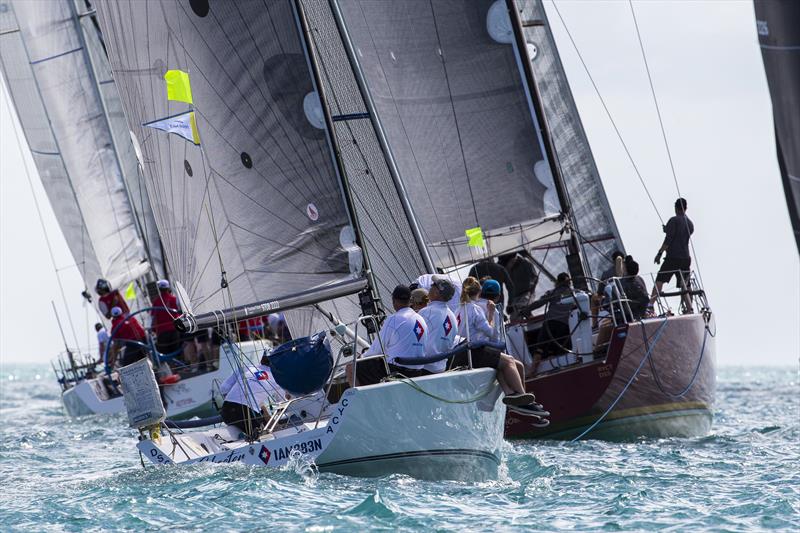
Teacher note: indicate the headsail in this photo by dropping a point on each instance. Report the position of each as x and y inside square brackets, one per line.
[48, 73]
[254, 214]
[778, 25]
[446, 84]
[594, 221]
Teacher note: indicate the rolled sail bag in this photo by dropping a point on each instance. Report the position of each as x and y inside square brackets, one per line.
[141, 395]
[302, 366]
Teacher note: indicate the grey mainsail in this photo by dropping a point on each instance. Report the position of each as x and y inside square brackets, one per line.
[778, 25]
[447, 81]
[49, 76]
[449, 94]
[593, 218]
[254, 214]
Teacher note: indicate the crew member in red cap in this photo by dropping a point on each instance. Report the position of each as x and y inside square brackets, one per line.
[165, 310]
[130, 334]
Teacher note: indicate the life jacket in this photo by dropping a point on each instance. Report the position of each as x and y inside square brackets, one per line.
[130, 330]
[110, 300]
[163, 319]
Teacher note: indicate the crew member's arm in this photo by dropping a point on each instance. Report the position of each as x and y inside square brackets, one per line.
[482, 323]
[669, 229]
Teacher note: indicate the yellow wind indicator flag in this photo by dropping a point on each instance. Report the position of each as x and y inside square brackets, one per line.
[475, 237]
[178, 86]
[184, 125]
[130, 292]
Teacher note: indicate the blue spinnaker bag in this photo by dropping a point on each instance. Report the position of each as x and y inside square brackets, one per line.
[302, 366]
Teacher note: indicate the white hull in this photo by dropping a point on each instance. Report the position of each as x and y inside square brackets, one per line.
[373, 431]
[192, 396]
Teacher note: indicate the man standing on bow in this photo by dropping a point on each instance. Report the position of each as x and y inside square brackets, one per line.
[678, 260]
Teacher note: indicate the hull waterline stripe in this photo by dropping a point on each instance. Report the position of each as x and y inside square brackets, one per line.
[420, 453]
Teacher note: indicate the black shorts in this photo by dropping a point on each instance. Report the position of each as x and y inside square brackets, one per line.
[671, 266]
[237, 415]
[133, 352]
[371, 370]
[168, 342]
[486, 357]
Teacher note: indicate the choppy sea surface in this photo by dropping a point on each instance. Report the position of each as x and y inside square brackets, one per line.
[75, 475]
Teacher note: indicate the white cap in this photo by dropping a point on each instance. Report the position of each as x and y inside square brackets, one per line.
[116, 311]
[163, 284]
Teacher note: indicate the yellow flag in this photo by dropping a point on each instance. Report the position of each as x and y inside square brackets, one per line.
[130, 292]
[178, 86]
[475, 236]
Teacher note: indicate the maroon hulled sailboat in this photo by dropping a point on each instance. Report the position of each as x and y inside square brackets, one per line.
[478, 121]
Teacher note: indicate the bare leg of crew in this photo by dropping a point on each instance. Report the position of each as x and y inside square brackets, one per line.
[510, 375]
[190, 352]
[348, 371]
[656, 291]
[520, 368]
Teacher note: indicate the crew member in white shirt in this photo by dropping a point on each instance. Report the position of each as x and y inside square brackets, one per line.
[441, 322]
[477, 328]
[403, 334]
[245, 394]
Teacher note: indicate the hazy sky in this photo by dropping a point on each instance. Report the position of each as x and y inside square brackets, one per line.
[709, 80]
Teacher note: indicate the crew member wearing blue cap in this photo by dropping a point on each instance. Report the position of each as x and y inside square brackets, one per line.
[489, 302]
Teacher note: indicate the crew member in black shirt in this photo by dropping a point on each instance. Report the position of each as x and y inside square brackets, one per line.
[678, 260]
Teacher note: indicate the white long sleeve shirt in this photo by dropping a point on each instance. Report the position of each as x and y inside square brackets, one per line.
[260, 385]
[402, 335]
[498, 328]
[441, 336]
[472, 323]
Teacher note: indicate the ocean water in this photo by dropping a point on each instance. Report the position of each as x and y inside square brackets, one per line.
[75, 475]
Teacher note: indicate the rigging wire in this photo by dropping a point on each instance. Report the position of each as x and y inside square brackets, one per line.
[608, 113]
[661, 125]
[41, 220]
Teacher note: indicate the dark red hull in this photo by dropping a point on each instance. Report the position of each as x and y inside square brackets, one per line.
[672, 393]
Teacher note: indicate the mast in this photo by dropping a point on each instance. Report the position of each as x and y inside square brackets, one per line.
[577, 269]
[390, 161]
[76, 15]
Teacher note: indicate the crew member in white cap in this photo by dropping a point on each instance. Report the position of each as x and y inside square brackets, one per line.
[441, 321]
[130, 334]
[165, 311]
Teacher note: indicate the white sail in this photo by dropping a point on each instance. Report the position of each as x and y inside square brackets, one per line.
[49, 76]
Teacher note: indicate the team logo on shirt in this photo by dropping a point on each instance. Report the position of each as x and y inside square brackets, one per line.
[419, 331]
[448, 326]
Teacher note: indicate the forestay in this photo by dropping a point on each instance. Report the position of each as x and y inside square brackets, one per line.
[256, 211]
[49, 76]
